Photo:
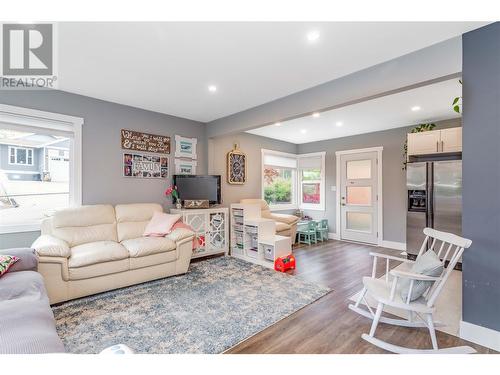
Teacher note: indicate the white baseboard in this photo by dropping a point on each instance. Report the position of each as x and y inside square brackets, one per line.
[333, 236]
[480, 335]
[394, 245]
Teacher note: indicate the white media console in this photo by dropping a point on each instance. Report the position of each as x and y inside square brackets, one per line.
[212, 228]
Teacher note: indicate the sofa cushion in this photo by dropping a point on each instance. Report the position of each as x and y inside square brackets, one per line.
[85, 224]
[143, 246]
[27, 326]
[26, 284]
[96, 252]
[27, 323]
[132, 219]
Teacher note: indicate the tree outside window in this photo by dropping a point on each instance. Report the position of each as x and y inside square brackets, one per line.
[278, 184]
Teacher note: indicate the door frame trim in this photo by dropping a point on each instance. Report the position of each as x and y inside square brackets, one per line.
[380, 216]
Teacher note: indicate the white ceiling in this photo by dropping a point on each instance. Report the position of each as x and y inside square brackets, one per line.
[392, 111]
[167, 67]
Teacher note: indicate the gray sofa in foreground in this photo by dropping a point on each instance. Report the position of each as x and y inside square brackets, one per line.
[27, 323]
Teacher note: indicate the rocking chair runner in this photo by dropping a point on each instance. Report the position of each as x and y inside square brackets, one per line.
[387, 292]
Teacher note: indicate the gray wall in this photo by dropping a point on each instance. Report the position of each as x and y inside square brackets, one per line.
[435, 62]
[393, 176]
[481, 176]
[102, 154]
[251, 145]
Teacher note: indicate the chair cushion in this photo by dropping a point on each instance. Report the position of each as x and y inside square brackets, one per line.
[143, 246]
[161, 224]
[280, 227]
[96, 252]
[426, 264]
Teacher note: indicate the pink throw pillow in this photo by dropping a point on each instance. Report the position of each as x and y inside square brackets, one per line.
[6, 261]
[161, 224]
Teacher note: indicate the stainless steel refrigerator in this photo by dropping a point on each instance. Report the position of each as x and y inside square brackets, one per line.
[434, 199]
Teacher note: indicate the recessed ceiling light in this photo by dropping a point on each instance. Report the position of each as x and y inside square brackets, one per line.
[415, 108]
[303, 131]
[277, 124]
[313, 36]
[315, 114]
[212, 88]
[339, 123]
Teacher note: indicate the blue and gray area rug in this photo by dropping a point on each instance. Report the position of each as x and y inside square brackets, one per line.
[217, 304]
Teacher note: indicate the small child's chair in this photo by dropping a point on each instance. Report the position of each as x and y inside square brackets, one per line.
[322, 230]
[307, 233]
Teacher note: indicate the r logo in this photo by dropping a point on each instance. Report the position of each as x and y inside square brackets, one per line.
[27, 49]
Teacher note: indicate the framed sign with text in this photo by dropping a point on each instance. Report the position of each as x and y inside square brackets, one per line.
[145, 142]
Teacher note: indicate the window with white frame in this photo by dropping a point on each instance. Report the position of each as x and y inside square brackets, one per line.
[293, 181]
[20, 156]
[279, 179]
[53, 179]
[312, 181]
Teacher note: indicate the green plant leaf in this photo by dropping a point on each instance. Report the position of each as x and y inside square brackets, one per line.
[455, 101]
[456, 108]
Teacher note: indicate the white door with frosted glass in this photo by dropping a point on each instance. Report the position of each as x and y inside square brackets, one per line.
[358, 197]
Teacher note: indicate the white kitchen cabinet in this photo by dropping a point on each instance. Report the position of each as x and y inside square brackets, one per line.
[451, 140]
[435, 141]
[424, 143]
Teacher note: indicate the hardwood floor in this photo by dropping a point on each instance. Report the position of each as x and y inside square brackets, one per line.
[327, 325]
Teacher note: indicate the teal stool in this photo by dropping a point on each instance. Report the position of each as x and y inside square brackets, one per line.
[307, 233]
[322, 230]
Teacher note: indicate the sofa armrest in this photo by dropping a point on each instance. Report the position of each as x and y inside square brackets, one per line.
[283, 218]
[180, 234]
[50, 246]
[28, 260]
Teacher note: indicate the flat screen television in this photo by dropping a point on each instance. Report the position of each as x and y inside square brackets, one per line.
[198, 187]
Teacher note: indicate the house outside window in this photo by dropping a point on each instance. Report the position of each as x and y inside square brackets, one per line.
[40, 166]
[20, 156]
[292, 181]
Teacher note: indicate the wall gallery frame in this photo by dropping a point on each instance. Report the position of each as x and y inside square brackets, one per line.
[137, 165]
[236, 167]
[185, 147]
[183, 166]
[144, 142]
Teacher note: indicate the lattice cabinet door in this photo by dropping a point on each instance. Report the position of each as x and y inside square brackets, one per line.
[217, 231]
[199, 222]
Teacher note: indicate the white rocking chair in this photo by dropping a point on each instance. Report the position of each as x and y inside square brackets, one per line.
[386, 293]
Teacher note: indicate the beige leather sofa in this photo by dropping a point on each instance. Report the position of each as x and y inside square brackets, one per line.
[286, 225]
[92, 249]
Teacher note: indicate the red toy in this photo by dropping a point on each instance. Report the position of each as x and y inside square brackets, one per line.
[285, 263]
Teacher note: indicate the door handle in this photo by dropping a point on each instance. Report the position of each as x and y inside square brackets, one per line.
[437, 146]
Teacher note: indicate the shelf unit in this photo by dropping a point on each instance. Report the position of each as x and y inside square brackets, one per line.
[253, 238]
[211, 228]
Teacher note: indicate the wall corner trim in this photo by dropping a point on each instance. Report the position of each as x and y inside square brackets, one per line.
[333, 236]
[480, 335]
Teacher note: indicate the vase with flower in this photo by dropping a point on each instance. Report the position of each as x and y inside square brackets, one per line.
[172, 190]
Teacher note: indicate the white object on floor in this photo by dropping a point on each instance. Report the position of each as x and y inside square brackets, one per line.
[118, 349]
[420, 311]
